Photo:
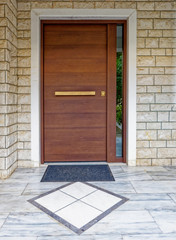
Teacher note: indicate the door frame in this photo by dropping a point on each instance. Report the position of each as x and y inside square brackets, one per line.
[83, 14]
[110, 85]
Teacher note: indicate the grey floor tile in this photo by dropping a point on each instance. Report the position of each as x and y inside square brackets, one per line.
[12, 203]
[163, 175]
[41, 187]
[19, 238]
[150, 237]
[166, 220]
[154, 186]
[116, 187]
[173, 196]
[3, 217]
[145, 168]
[31, 224]
[147, 201]
[14, 188]
[135, 175]
[82, 237]
[125, 222]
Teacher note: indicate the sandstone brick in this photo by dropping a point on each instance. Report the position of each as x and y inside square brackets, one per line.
[173, 162]
[24, 99]
[143, 107]
[24, 43]
[142, 144]
[2, 141]
[11, 119]
[147, 61]
[171, 144]
[143, 162]
[23, 15]
[147, 117]
[144, 24]
[170, 70]
[3, 43]
[168, 14]
[145, 6]
[143, 52]
[142, 33]
[169, 33]
[144, 80]
[155, 33]
[41, 4]
[2, 33]
[146, 153]
[153, 126]
[104, 5]
[164, 134]
[24, 61]
[153, 89]
[165, 80]
[142, 70]
[166, 61]
[146, 134]
[157, 144]
[157, 70]
[164, 23]
[173, 116]
[173, 134]
[141, 89]
[10, 15]
[145, 98]
[24, 117]
[140, 42]
[24, 136]
[24, 81]
[24, 127]
[168, 88]
[164, 6]
[141, 126]
[170, 52]
[158, 51]
[148, 14]
[24, 154]
[166, 152]
[83, 5]
[161, 107]
[24, 6]
[62, 4]
[1, 10]
[11, 139]
[24, 24]
[167, 43]
[161, 162]
[3, 22]
[163, 116]
[152, 42]
[166, 98]
[122, 5]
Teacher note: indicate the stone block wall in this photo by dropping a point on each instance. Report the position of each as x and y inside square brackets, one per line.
[8, 87]
[156, 77]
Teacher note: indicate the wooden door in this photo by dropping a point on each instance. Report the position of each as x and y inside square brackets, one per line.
[74, 60]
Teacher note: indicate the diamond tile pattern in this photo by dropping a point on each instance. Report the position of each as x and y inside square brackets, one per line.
[78, 205]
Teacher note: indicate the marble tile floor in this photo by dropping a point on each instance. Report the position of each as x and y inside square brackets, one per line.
[150, 213]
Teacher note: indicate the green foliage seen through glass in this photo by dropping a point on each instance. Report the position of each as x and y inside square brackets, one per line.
[119, 67]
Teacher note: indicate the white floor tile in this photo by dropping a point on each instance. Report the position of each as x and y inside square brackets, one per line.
[55, 201]
[78, 190]
[101, 200]
[78, 214]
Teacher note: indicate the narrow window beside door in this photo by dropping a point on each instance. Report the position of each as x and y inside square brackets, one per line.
[119, 91]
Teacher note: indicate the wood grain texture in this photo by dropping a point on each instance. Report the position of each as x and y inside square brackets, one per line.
[74, 60]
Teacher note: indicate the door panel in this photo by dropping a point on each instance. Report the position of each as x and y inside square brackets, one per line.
[74, 59]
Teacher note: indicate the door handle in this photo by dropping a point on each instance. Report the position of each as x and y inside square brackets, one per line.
[76, 93]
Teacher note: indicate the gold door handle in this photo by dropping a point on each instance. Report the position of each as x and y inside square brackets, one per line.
[76, 93]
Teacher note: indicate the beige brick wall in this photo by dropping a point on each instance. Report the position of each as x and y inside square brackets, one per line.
[8, 88]
[156, 77]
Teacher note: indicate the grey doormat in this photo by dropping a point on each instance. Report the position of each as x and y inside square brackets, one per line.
[77, 173]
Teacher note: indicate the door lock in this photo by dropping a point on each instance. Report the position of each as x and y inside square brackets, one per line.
[103, 93]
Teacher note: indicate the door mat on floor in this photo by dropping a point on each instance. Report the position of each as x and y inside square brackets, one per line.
[77, 173]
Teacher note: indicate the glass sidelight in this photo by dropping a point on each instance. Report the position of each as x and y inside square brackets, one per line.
[119, 91]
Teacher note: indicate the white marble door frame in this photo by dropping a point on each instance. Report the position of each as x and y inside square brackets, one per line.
[84, 14]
